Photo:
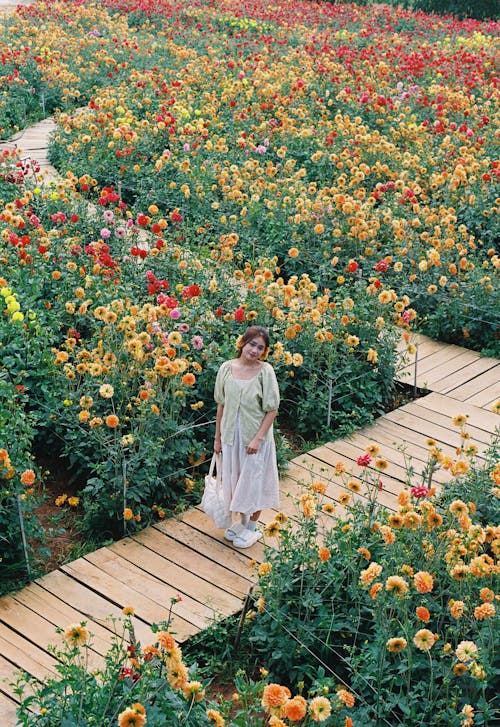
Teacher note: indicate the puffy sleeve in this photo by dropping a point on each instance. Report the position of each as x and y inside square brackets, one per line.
[220, 381]
[270, 390]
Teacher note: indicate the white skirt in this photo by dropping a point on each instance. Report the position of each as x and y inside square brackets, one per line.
[250, 482]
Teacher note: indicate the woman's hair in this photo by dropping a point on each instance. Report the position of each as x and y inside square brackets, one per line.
[251, 333]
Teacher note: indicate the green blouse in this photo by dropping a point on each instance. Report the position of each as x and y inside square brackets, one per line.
[250, 399]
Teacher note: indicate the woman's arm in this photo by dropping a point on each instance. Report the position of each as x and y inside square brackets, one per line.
[218, 419]
[266, 424]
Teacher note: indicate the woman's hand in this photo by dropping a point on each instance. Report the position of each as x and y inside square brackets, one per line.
[217, 445]
[253, 446]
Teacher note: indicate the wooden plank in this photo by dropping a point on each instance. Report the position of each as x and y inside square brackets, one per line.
[478, 418]
[404, 434]
[199, 594]
[198, 520]
[200, 563]
[309, 464]
[443, 355]
[388, 442]
[336, 485]
[484, 400]
[113, 591]
[97, 608]
[182, 581]
[395, 452]
[430, 415]
[296, 482]
[8, 710]
[26, 655]
[415, 338]
[391, 437]
[439, 426]
[183, 531]
[242, 565]
[408, 461]
[489, 381]
[310, 467]
[405, 369]
[426, 346]
[287, 502]
[290, 498]
[185, 617]
[8, 674]
[334, 490]
[60, 614]
[16, 616]
[294, 488]
[477, 367]
[439, 375]
[19, 618]
[492, 405]
[396, 463]
[229, 550]
[290, 492]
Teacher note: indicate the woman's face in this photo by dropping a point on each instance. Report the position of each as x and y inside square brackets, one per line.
[253, 349]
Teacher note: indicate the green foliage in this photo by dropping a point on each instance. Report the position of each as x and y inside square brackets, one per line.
[480, 9]
[477, 485]
[147, 682]
[472, 321]
[18, 501]
[221, 650]
[356, 596]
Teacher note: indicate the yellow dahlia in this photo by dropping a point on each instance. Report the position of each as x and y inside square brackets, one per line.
[424, 639]
[396, 644]
[320, 709]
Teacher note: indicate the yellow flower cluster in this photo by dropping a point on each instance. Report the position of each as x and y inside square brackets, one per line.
[138, 348]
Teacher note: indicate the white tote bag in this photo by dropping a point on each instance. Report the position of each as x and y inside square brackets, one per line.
[212, 502]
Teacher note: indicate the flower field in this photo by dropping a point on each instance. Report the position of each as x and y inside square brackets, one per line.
[367, 617]
[329, 171]
[402, 607]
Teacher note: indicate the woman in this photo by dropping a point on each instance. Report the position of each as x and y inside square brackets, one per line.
[247, 395]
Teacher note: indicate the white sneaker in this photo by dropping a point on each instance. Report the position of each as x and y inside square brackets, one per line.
[247, 538]
[234, 531]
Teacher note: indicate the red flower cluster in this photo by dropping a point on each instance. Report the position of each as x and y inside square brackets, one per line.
[143, 220]
[155, 285]
[58, 217]
[138, 252]
[191, 291]
[126, 672]
[176, 216]
[101, 254]
[109, 196]
[419, 491]
[167, 300]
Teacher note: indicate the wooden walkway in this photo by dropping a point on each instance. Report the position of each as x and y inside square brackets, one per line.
[31, 144]
[457, 372]
[187, 556]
